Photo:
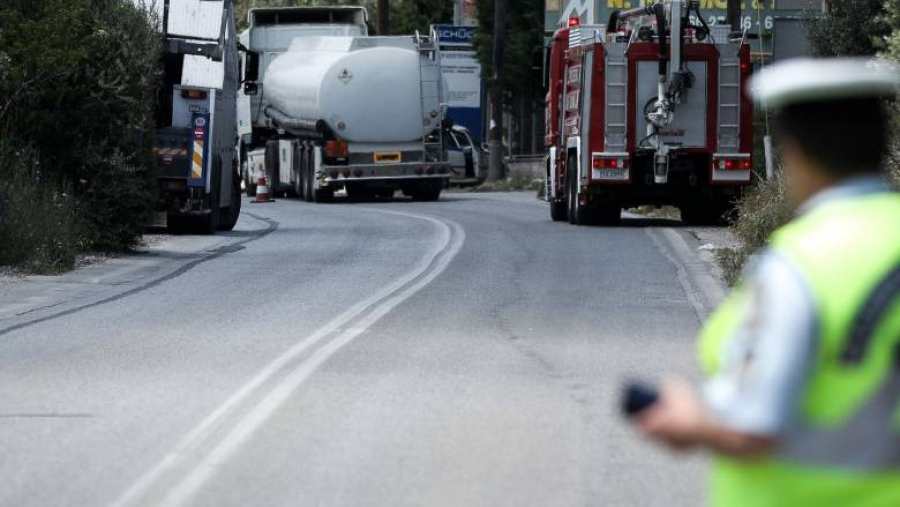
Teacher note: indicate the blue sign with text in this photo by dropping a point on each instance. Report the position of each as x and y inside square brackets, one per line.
[455, 35]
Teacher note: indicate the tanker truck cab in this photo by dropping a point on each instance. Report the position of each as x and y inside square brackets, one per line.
[197, 164]
[329, 108]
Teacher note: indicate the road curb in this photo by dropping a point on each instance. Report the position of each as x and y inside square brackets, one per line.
[702, 288]
[49, 305]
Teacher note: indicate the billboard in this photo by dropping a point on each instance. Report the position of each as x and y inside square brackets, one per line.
[757, 16]
[462, 76]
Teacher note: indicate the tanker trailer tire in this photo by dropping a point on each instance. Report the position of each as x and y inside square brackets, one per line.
[300, 173]
[426, 192]
[309, 176]
[272, 176]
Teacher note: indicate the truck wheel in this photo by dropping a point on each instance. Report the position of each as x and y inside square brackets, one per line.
[231, 214]
[310, 177]
[177, 224]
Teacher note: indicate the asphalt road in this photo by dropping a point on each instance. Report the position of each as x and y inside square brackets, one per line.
[467, 352]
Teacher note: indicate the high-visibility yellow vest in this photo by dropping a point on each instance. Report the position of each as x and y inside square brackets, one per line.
[845, 449]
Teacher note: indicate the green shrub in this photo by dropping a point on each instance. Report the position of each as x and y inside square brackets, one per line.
[762, 210]
[78, 83]
[39, 223]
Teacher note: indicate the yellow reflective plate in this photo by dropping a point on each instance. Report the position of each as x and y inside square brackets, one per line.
[391, 157]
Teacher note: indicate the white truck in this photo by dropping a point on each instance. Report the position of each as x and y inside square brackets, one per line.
[199, 179]
[335, 108]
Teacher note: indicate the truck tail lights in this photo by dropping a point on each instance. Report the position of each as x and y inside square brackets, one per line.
[574, 21]
[193, 94]
[734, 164]
[336, 149]
[601, 162]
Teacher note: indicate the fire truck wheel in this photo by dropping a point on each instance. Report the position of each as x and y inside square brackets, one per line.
[578, 214]
[609, 214]
[702, 213]
[558, 211]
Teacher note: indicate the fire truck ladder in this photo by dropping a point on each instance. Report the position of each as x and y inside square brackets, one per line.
[617, 104]
[729, 104]
[430, 93]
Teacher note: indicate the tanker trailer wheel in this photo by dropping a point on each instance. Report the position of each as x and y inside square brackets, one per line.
[272, 167]
[309, 176]
[427, 192]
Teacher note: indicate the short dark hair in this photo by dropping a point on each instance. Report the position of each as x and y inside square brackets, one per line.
[845, 137]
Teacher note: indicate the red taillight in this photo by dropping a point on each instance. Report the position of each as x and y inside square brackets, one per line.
[346, 174]
[609, 163]
[745, 67]
[746, 164]
[419, 170]
[193, 94]
[333, 174]
[729, 164]
[574, 21]
[336, 149]
[357, 173]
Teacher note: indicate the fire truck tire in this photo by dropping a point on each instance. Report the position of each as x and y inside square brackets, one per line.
[578, 214]
[609, 214]
[703, 213]
[558, 211]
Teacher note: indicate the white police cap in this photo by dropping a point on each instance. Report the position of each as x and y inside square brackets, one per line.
[813, 80]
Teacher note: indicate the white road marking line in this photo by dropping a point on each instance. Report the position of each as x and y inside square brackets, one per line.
[263, 411]
[199, 434]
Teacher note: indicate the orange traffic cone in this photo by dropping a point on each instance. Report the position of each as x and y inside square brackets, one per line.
[262, 190]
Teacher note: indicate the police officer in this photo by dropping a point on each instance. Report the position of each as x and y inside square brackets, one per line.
[802, 402]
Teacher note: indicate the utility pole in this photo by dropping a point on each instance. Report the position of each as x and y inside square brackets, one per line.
[383, 24]
[495, 135]
[733, 15]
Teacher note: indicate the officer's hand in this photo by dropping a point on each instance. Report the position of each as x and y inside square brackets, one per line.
[676, 419]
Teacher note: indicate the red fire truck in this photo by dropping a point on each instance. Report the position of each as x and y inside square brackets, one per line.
[649, 109]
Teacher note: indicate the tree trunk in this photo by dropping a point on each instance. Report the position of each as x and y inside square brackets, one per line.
[383, 24]
[495, 140]
[733, 15]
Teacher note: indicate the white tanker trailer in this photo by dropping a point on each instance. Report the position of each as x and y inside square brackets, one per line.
[338, 109]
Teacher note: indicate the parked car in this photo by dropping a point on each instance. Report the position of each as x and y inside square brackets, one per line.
[467, 161]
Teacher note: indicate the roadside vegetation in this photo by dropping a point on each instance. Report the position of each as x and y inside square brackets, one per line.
[850, 28]
[77, 94]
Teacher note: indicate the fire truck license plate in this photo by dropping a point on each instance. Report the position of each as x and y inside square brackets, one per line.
[610, 175]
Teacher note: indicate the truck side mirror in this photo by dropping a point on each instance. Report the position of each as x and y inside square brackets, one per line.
[251, 72]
